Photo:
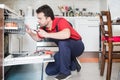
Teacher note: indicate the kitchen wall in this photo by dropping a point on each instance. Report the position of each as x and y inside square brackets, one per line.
[114, 6]
[90, 5]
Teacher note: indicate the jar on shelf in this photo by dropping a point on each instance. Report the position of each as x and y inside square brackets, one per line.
[77, 12]
[71, 13]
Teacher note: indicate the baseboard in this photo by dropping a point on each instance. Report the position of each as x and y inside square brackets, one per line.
[89, 57]
[92, 57]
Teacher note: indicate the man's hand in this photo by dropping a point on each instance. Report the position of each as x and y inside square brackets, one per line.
[42, 33]
[28, 30]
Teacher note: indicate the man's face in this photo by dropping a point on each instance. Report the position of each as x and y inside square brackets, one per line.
[42, 19]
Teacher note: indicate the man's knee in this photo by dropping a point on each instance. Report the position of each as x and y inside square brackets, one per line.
[50, 72]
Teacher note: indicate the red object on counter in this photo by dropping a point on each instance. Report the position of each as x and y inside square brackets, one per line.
[44, 51]
[49, 52]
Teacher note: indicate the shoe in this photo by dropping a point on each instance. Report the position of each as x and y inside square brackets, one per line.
[78, 66]
[62, 77]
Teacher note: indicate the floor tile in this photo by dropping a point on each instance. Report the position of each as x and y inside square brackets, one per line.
[90, 71]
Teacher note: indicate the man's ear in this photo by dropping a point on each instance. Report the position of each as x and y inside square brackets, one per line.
[48, 18]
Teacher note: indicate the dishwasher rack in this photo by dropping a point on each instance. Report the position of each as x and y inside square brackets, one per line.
[14, 26]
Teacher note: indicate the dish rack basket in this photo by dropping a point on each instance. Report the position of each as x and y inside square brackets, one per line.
[14, 26]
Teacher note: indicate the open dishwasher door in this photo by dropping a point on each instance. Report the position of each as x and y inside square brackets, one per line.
[27, 58]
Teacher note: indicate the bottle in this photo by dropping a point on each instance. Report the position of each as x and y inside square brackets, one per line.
[71, 13]
[21, 12]
[76, 12]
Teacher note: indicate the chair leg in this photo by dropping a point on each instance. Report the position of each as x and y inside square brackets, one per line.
[109, 64]
[103, 60]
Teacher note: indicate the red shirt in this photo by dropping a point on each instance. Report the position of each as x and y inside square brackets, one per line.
[63, 24]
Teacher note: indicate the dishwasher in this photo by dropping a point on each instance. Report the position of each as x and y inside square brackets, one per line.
[11, 23]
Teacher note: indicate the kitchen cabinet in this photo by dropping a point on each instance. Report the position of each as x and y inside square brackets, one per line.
[88, 28]
[1, 44]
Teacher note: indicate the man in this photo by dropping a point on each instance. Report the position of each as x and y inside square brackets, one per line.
[68, 40]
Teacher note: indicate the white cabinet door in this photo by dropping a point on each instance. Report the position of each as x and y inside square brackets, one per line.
[89, 33]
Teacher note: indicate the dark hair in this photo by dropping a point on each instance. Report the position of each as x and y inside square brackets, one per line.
[46, 10]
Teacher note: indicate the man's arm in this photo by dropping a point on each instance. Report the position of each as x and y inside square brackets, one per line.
[33, 35]
[64, 34]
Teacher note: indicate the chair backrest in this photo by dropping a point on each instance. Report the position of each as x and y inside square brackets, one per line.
[106, 24]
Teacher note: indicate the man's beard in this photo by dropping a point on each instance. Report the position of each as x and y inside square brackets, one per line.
[44, 27]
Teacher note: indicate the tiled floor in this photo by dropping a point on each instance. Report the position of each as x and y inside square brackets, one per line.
[89, 71]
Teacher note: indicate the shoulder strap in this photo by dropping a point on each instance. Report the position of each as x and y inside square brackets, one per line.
[58, 22]
[57, 25]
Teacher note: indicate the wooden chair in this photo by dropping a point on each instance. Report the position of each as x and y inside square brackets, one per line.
[108, 42]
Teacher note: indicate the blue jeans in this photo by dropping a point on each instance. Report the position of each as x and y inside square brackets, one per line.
[69, 49]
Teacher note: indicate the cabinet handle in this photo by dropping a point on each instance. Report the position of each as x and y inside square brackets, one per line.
[92, 26]
[93, 20]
